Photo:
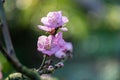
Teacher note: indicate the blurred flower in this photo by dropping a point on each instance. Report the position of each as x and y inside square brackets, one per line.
[52, 21]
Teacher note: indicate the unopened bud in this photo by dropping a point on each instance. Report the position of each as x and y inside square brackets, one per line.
[59, 65]
[50, 68]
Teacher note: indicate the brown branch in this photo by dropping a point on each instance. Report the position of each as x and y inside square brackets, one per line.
[5, 30]
[10, 53]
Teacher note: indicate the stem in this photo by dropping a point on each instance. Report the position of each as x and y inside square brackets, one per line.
[43, 62]
[5, 30]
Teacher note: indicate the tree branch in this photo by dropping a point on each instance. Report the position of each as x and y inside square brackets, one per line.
[10, 53]
[19, 67]
[5, 30]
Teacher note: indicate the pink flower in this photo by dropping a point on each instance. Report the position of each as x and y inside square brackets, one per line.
[1, 75]
[45, 45]
[52, 21]
[54, 45]
[58, 40]
[51, 44]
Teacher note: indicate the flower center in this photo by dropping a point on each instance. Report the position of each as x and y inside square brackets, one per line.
[48, 47]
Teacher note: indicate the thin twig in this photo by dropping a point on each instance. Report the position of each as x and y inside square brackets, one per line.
[43, 62]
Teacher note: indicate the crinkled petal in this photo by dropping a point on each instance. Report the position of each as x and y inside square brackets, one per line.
[45, 28]
[41, 42]
[63, 29]
[42, 39]
[58, 35]
[65, 19]
[46, 46]
[47, 52]
[54, 19]
[59, 40]
[50, 14]
[60, 15]
[44, 20]
[51, 51]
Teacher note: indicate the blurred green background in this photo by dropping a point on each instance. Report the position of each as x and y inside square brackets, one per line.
[94, 30]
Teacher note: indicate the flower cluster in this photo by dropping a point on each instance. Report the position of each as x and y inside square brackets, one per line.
[54, 44]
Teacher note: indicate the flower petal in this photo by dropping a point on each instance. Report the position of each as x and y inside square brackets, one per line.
[41, 42]
[45, 28]
[69, 46]
[44, 20]
[63, 29]
[65, 19]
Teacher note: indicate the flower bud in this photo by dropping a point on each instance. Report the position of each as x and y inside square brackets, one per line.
[50, 68]
[59, 65]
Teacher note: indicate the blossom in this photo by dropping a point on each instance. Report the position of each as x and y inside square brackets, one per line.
[51, 44]
[52, 21]
[63, 46]
[45, 45]
[58, 40]
[54, 45]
